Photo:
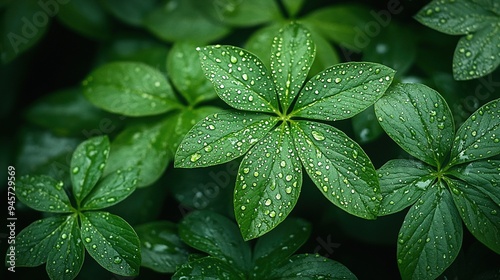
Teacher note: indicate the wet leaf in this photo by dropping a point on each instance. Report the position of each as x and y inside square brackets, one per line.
[132, 12]
[111, 241]
[279, 244]
[130, 88]
[476, 54]
[292, 55]
[268, 184]
[418, 119]
[86, 17]
[239, 78]
[65, 259]
[402, 183]
[339, 167]
[185, 72]
[43, 193]
[343, 91]
[87, 165]
[112, 189]
[479, 135]
[161, 247]
[208, 268]
[431, 235]
[216, 235]
[311, 267]
[222, 137]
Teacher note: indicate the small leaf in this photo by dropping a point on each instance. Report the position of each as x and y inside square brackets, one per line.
[222, 137]
[144, 147]
[431, 235]
[418, 119]
[402, 182]
[35, 241]
[43, 193]
[184, 68]
[111, 241]
[307, 266]
[339, 168]
[208, 268]
[479, 135]
[279, 244]
[239, 78]
[87, 164]
[112, 189]
[130, 88]
[86, 17]
[65, 259]
[268, 185]
[292, 55]
[216, 235]
[161, 247]
[343, 91]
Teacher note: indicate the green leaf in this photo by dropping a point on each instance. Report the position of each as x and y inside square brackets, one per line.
[338, 167]
[279, 244]
[19, 30]
[402, 182]
[112, 242]
[35, 241]
[418, 119]
[268, 185]
[184, 68]
[240, 78]
[343, 91]
[112, 189]
[43, 193]
[479, 135]
[181, 20]
[87, 164]
[216, 235]
[86, 17]
[129, 88]
[132, 12]
[293, 7]
[431, 235]
[240, 13]
[366, 127]
[478, 204]
[292, 55]
[222, 137]
[300, 267]
[65, 259]
[161, 247]
[208, 268]
[143, 147]
[476, 54]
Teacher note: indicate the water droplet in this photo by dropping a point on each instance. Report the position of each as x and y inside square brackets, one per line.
[243, 207]
[234, 59]
[245, 77]
[278, 196]
[117, 260]
[288, 178]
[338, 80]
[111, 199]
[75, 170]
[474, 133]
[250, 98]
[267, 202]
[88, 239]
[64, 236]
[288, 190]
[493, 212]
[256, 174]
[195, 157]
[282, 163]
[318, 135]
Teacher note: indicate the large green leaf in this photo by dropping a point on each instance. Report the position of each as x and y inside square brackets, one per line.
[268, 185]
[216, 235]
[86, 17]
[161, 247]
[111, 241]
[222, 137]
[279, 244]
[184, 69]
[87, 165]
[418, 119]
[43, 193]
[65, 259]
[240, 78]
[209, 268]
[343, 91]
[130, 88]
[132, 12]
[35, 241]
[431, 235]
[300, 267]
[339, 167]
[479, 135]
[402, 182]
[292, 55]
[143, 147]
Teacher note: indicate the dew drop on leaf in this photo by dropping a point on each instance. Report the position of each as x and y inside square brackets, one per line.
[318, 135]
[195, 157]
